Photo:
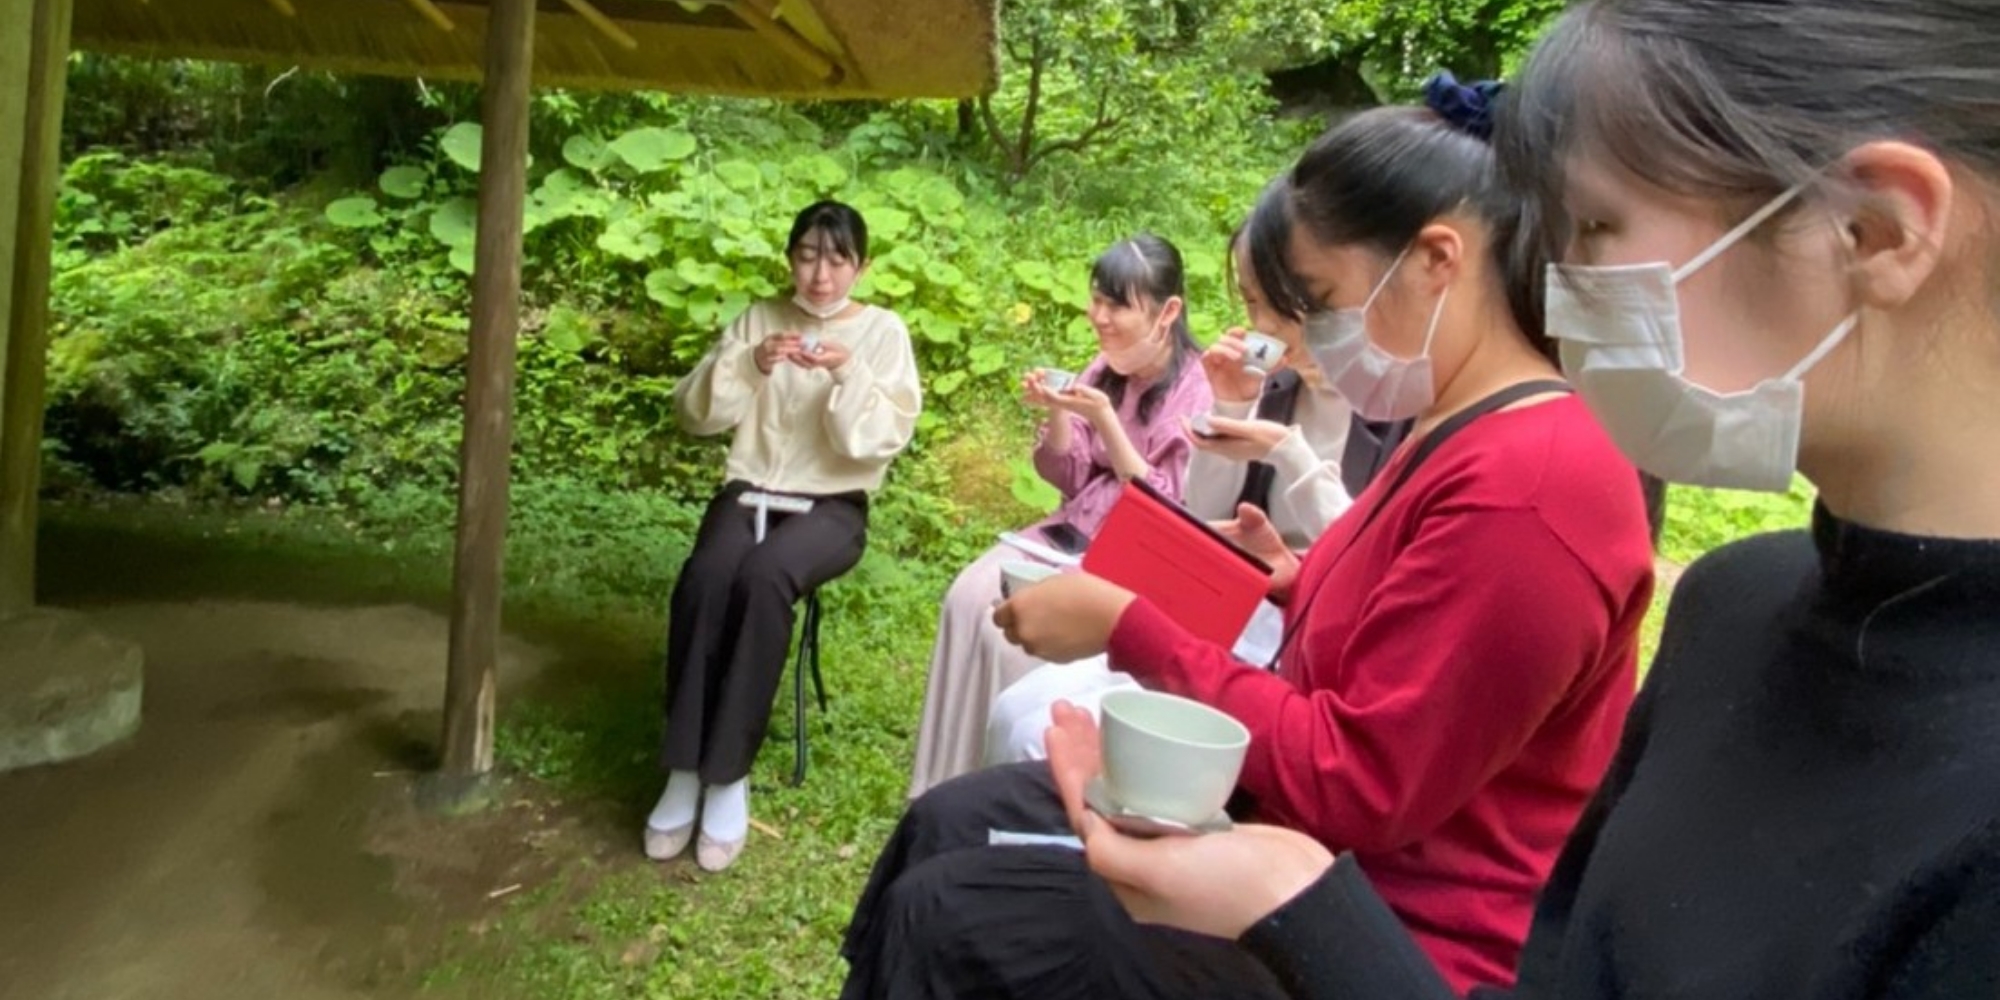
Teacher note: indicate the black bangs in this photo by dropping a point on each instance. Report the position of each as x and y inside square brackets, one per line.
[840, 224]
[1124, 275]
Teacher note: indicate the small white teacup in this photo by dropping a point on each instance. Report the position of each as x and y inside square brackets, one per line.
[1018, 573]
[1170, 757]
[1261, 353]
[1057, 380]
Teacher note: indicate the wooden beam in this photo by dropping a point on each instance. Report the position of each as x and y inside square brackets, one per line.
[432, 13]
[758, 14]
[484, 453]
[27, 317]
[604, 25]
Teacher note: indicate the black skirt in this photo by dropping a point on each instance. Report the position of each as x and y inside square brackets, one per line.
[946, 915]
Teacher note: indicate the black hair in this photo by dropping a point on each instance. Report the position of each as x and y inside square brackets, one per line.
[1740, 101]
[1378, 178]
[1264, 237]
[843, 226]
[1145, 270]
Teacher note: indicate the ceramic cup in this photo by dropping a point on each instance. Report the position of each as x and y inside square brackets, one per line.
[1170, 757]
[809, 343]
[1261, 353]
[1057, 380]
[1018, 573]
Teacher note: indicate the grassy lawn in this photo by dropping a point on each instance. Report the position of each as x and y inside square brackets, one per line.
[623, 927]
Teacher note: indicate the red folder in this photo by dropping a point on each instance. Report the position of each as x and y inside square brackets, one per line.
[1158, 549]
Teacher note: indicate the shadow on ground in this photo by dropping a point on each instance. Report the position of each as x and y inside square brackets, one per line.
[257, 838]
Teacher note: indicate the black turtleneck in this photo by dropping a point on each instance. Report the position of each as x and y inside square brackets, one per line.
[1806, 802]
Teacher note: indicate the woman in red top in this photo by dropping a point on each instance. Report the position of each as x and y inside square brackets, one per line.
[1460, 649]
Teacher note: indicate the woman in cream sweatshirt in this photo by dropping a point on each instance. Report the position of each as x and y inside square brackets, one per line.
[820, 393]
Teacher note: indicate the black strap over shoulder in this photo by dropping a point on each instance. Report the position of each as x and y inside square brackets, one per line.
[1428, 446]
[1279, 404]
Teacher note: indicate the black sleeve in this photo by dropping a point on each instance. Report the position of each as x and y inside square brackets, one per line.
[1937, 938]
[1339, 941]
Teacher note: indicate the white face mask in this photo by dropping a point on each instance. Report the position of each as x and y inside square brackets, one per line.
[828, 311]
[1379, 385]
[1619, 329]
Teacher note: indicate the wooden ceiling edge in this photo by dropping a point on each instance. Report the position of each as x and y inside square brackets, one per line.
[803, 90]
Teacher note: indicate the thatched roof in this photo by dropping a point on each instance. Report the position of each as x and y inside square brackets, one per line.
[784, 48]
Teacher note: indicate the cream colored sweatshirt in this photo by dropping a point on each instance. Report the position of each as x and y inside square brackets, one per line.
[802, 430]
[1307, 493]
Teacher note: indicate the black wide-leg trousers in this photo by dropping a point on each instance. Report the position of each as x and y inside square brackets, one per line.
[729, 629]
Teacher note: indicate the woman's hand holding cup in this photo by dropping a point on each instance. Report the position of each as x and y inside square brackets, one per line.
[1223, 364]
[1218, 884]
[774, 349]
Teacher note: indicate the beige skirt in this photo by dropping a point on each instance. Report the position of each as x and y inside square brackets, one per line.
[971, 663]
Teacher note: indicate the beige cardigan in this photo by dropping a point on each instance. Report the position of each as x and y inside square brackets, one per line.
[1308, 493]
[804, 430]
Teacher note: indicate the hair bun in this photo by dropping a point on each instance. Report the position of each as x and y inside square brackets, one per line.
[1466, 107]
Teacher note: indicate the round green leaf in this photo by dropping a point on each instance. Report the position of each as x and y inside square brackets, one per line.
[461, 258]
[740, 174]
[665, 286]
[888, 223]
[461, 144]
[587, 152]
[820, 171]
[357, 212]
[455, 223]
[1035, 275]
[939, 203]
[649, 149]
[948, 383]
[404, 182]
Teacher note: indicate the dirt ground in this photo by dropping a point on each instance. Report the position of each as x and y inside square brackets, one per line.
[258, 837]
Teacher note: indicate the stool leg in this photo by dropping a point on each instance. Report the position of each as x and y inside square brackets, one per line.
[799, 695]
[819, 685]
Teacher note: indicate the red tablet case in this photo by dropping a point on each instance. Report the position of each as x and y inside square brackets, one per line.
[1159, 550]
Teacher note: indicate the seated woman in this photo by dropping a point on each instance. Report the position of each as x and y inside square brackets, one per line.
[1280, 438]
[1460, 646]
[1120, 421]
[1779, 222]
[821, 393]
[1296, 460]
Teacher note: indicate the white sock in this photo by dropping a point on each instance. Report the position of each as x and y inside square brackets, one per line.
[676, 806]
[725, 811]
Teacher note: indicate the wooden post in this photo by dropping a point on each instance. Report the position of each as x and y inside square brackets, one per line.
[25, 361]
[489, 391]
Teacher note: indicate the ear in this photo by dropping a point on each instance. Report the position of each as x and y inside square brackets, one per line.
[1170, 310]
[1436, 256]
[1896, 233]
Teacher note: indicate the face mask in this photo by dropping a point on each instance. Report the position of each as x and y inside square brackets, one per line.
[1139, 355]
[828, 311]
[1619, 331]
[1379, 385]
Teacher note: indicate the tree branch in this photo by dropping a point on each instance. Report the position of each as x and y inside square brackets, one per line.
[1104, 122]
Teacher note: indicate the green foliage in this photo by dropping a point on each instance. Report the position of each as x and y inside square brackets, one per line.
[1700, 520]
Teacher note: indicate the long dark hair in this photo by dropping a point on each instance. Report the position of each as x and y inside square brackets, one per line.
[1143, 270]
[1378, 178]
[1739, 102]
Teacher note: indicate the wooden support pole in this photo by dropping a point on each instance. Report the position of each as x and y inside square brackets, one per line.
[489, 391]
[758, 15]
[436, 15]
[604, 25]
[27, 317]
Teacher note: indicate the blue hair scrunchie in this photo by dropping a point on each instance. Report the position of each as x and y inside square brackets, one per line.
[1467, 107]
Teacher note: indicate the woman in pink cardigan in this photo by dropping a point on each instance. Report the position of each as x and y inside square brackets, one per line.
[1120, 420]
